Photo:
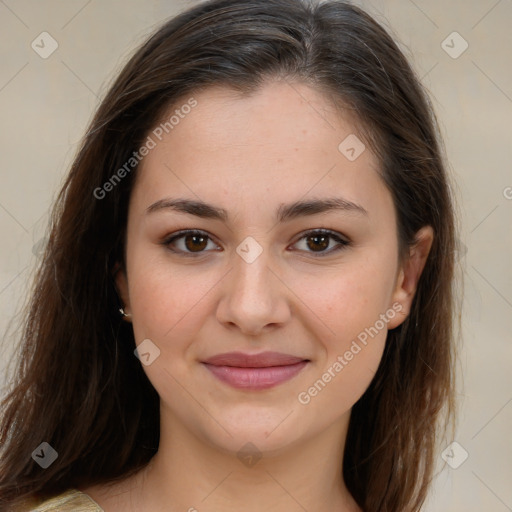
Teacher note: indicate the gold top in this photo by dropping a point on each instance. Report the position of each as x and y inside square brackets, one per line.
[71, 500]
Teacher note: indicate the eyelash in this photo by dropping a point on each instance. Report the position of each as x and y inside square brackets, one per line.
[342, 243]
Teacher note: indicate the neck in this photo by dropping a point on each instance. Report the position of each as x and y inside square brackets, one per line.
[192, 475]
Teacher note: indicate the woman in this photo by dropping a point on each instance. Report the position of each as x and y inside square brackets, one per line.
[246, 300]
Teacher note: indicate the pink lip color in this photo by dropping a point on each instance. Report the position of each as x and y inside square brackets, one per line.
[259, 371]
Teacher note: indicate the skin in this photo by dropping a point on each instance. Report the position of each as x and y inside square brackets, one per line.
[249, 155]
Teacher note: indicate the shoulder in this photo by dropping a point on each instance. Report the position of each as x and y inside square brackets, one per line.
[71, 500]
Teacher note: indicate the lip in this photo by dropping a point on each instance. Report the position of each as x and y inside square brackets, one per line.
[254, 371]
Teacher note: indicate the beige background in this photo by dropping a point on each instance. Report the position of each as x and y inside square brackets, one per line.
[46, 104]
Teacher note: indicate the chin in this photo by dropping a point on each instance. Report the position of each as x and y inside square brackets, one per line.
[268, 430]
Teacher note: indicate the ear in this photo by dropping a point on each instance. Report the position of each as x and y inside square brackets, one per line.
[409, 274]
[119, 274]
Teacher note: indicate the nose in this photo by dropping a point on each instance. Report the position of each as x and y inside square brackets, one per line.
[254, 299]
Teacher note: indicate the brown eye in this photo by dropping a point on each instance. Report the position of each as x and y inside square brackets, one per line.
[319, 242]
[196, 242]
[189, 243]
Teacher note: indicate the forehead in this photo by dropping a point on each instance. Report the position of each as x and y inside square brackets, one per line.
[277, 114]
[283, 141]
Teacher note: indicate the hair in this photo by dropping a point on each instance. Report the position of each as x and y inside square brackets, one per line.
[77, 384]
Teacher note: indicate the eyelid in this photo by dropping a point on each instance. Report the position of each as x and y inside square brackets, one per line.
[342, 240]
[325, 231]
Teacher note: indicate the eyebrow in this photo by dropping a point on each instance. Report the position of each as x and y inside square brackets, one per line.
[284, 212]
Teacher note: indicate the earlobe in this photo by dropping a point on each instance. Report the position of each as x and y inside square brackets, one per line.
[410, 273]
[121, 283]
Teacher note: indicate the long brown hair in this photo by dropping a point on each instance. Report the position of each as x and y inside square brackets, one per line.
[77, 384]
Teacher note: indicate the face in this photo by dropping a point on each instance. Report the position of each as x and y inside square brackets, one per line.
[296, 253]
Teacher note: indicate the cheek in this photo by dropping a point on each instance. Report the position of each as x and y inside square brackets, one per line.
[348, 299]
[352, 308]
[342, 381]
[355, 308]
[168, 303]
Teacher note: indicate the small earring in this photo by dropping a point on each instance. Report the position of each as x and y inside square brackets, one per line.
[125, 315]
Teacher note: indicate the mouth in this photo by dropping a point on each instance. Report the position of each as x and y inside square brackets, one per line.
[256, 371]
